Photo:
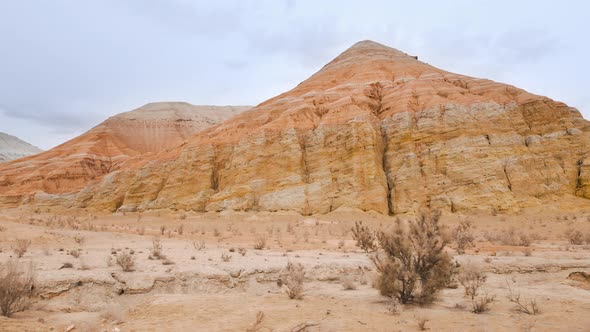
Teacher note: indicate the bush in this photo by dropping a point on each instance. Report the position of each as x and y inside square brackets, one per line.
[293, 278]
[364, 237]
[126, 261]
[260, 242]
[225, 257]
[21, 246]
[463, 236]
[157, 249]
[575, 236]
[471, 278]
[527, 306]
[482, 303]
[415, 266]
[16, 287]
[348, 283]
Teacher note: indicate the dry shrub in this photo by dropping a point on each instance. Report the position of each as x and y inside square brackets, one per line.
[364, 237]
[21, 246]
[510, 237]
[415, 266]
[472, 279]
[114, 313]
[527, 306]
[126, 261]
[75, 253]
[348, 283]
[481, 303]
[156, 252]
[80, 239]
[260, 242]
[293, 278]
[242, 251]
[167, 261]
[392, 305]
[421, 322]
[463, 236]
[199, 245]
[16, 287]
[225, 257]
[575, 236]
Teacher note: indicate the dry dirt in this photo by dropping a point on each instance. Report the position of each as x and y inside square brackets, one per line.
[196, 290]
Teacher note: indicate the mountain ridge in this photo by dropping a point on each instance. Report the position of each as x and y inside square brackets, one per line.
[374, 129]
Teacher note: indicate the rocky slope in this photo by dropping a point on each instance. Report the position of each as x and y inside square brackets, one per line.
[375, 129]
[71, 166]
[12, 147]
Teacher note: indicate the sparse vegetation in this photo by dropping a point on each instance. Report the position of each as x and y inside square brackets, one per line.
[481, 303]
[421, 322]
[79, 239]
[16, 287]
[126, 261]
[75, 253]
[472, 279]
[415, 266]
[463, 236]
[260, 242]
[364, 237]
[527, 306]
[293, 278]
[225, 257]
[156, 251]
[21, 246]
[348, 283]
[574, 236]
[242, 251]
[199, 245]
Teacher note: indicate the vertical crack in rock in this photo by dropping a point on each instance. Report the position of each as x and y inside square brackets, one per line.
[303, 147]
[385, 167]
[375, 93]
[579, 175]
[214, 170]
[305, 176]
[507, 177]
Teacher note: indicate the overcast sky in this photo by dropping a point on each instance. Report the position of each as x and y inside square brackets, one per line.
[65, 66]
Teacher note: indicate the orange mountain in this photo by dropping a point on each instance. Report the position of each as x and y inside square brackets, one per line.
[71, 166]
[374, 129]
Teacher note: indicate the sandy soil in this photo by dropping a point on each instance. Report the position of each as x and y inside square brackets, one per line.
[194, 289]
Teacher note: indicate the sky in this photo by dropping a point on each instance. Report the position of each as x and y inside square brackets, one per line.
[67, 65]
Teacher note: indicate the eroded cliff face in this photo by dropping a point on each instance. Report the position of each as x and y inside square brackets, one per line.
[53, 177]
[375, 129]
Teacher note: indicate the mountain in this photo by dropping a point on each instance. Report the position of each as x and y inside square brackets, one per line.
[12, 147]
[374, 129]
[70, 166]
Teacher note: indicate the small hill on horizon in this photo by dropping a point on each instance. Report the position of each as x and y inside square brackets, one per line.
[152, 128]
[12, 147]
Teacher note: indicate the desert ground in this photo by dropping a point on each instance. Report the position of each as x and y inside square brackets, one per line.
[209, 276]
